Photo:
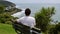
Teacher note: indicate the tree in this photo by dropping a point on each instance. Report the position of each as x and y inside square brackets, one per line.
[58, 26]
[43, 18]
[5, 16]
[55, 30]
[2, 9]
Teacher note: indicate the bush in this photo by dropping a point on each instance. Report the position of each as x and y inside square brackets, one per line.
[8, 22]
[43, 18]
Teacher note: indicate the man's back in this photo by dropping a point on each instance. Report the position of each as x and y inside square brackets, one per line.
[27, 20]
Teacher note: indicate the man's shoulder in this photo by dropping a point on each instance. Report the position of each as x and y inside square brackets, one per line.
[21, 18]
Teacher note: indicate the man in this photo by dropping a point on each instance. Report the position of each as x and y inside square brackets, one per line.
[27, 20]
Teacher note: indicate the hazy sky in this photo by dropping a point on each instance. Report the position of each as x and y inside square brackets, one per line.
[35, 1]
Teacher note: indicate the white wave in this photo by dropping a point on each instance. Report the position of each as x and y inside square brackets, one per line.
[19, 14]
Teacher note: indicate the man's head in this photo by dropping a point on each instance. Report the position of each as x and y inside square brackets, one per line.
[27, 12]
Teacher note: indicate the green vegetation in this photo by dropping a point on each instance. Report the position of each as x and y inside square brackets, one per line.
[43, 18]
[5, 19]
[43, 21]
[6, 29]
[5, 16]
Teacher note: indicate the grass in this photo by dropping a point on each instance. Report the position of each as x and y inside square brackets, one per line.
[6, 29]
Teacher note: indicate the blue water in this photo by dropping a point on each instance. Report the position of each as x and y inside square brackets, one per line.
[36, 7]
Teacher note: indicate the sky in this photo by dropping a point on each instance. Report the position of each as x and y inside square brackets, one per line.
[35, 1]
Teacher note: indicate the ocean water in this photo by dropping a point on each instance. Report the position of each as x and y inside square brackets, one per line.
[36, 7]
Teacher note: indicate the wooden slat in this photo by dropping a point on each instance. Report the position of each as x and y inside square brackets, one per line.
[36, 29]
[20, 27]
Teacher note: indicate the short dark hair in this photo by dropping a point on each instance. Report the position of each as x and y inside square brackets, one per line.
[27, 11]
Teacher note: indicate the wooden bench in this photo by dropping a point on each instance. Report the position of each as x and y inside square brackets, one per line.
[23, 29]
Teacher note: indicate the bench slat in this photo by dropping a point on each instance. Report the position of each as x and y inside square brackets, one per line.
[20, 27]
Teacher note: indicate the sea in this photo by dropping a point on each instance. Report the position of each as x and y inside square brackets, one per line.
[37, 7]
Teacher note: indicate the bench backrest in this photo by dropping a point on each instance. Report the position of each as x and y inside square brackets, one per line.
[20, 27]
